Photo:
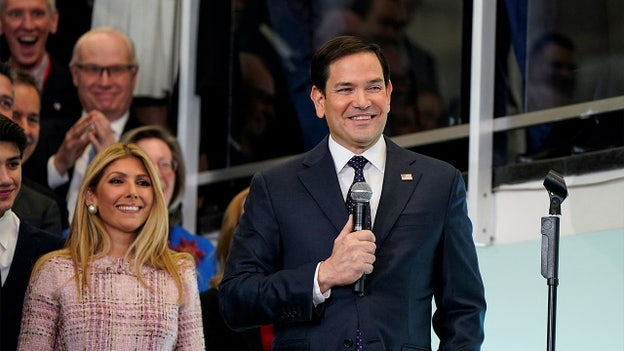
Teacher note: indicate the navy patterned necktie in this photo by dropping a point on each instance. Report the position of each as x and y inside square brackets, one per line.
[359, 345]
[357, 163]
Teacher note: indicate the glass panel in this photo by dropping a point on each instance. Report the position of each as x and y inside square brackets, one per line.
[253, 73]
[255, 100]
[564, 52]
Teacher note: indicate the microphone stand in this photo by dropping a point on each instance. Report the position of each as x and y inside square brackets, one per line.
[557, 191]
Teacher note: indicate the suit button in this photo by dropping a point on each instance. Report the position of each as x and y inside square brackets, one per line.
[347, 343]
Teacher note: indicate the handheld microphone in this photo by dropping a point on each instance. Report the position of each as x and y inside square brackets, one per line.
[361, 194]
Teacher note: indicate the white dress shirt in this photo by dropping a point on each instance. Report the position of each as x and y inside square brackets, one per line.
[373, 171]
[55, 179]
[373, 174]
[9, 228]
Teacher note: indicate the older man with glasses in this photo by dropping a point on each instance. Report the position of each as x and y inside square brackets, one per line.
[104, 70]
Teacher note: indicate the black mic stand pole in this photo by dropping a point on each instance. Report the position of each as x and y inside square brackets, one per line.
[557, 192]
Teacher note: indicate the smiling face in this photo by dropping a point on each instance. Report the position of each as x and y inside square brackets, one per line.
[26, 114]
[124, 196]
[10, 175]
[356, 101]
[109, 90]
[26, 25]
[161, 155]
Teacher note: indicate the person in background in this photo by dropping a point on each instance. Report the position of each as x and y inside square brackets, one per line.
[551, 82]
[156, 35]
[164, 150]
[7, 95]
[26, 26]
[21, 244]
[116, 284]
[384, 22]
[216, 333]
[104, 70]
[34, 203]
[295, 256]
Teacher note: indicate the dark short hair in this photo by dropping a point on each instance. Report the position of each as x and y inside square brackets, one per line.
[338, 48]
[26, 79]
[13, 133]
[7, 71]
[362, 7]
[552, 37]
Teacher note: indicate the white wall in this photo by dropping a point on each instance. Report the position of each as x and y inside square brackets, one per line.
[590, 294]
[595, 203]
[590, 306]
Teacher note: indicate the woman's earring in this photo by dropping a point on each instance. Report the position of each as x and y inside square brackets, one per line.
[92, 209]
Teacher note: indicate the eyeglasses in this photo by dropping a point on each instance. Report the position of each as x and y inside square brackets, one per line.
[166, 165]
[113, 71]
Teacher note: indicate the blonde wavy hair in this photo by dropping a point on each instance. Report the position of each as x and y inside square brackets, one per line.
[88, 239]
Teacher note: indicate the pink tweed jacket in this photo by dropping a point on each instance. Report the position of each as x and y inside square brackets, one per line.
[117, 312]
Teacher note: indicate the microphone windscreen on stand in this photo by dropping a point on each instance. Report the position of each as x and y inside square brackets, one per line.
[361, 193]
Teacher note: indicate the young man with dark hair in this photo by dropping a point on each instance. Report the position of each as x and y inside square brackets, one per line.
[20, 243]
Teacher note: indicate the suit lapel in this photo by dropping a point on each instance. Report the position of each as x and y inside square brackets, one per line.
[400, 180]
[318, 176]
[21, 257]
[396, 192]
[132, 122]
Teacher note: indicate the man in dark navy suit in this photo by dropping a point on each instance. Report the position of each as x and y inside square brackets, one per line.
[20, 243]
[295, 257]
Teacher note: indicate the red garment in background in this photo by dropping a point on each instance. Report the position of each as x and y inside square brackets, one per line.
[266, 335]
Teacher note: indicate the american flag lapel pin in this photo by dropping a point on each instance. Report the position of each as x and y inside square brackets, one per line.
[406, 176]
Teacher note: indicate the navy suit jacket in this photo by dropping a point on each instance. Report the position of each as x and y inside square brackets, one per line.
[32, 243]
[425, 250]
[38, 209]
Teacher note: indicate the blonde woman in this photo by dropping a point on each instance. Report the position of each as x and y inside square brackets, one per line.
[115, 285]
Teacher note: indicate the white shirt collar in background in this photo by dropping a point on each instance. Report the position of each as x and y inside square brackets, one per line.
[9, 228]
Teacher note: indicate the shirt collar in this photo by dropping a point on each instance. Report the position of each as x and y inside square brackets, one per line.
[376, 154]
[118, 125]
[9, 224]
[39, 72]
